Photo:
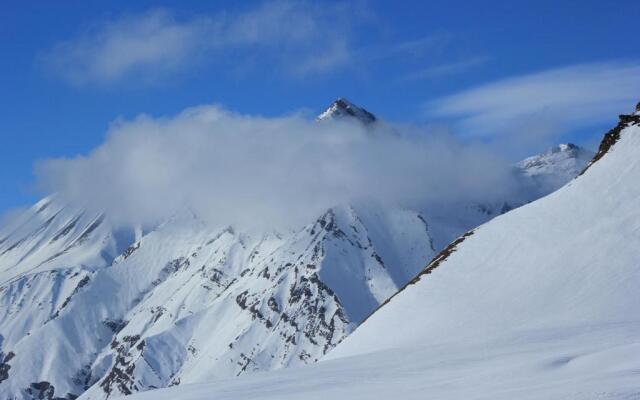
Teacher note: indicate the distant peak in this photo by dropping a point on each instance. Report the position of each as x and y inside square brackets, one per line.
[564, 147]
[343, 108]
[568, 146]
[566, 150]
[565, 156]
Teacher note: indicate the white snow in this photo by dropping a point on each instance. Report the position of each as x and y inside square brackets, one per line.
[539, 303]
[563, 365]
[187, 302]
[91, 310]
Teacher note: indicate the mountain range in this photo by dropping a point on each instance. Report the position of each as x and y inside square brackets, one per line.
[538, 303]
[91, 311]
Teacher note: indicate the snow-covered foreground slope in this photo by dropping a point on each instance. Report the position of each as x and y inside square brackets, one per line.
[568, 260]
[541, 302]
[92, 311]
[562, 365]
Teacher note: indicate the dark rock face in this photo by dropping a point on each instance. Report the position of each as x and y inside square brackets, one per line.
[5, 367]
[350, 109]
[121, 375]
[612, 137]
[45, 391]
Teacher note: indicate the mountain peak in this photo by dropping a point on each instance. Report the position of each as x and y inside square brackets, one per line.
[567, 147]
[572, 149]
[343, 108]
[556, 166]
[557, 153]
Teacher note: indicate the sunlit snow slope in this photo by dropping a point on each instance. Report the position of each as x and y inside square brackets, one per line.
[540, 303]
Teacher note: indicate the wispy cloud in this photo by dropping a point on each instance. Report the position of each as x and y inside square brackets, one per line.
[429, 46]
[426, 45]
[442, 70]
[296, 37]
[546, 104]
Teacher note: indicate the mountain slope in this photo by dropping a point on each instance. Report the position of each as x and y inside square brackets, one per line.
[94, 311]
[564, 261]
[223, 302]
[541, 302]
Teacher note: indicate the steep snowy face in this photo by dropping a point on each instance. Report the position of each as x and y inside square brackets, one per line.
[187, 302]
[51, 233]
[566, 263]
[554, 168]
[343, 108]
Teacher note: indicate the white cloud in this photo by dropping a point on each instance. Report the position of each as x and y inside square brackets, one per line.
[543, 106]
[279, 172]
[296, 37]
[442, 70]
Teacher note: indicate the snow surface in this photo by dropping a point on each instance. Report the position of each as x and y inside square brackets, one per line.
[568, 260]
[539, 303]
[188, 303]
[92, 311]
[563, 365]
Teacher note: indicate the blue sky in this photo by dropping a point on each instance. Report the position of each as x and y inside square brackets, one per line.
[557, 71]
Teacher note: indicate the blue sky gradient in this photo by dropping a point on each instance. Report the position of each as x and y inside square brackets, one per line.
[402, 61]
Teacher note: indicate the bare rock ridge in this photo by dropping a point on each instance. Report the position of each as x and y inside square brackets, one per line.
[611, 137]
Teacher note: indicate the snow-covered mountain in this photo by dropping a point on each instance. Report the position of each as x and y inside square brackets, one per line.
[539, 303]
[186, 302]
[343, 108]
[557, 166]
[90, 311]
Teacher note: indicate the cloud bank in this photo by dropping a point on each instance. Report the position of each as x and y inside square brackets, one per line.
[296, 37]
[543, 106]
[265, 172]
